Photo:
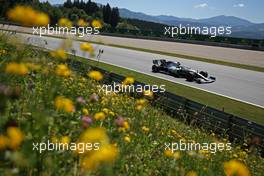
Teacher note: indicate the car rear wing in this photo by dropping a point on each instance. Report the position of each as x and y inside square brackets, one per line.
[159, 62]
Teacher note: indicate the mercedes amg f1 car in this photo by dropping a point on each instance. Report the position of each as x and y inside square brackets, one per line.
[179, 71]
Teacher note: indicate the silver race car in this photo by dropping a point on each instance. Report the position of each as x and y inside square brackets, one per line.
[179, 71]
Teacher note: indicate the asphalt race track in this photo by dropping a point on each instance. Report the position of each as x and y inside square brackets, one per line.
[239, 84]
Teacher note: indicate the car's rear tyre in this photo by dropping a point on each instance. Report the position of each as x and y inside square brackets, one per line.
[189, 77]
[155, 69]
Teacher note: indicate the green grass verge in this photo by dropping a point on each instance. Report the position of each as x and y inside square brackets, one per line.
[231, 106]
[202, 59]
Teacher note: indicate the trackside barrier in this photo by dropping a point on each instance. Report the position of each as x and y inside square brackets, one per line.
[238, 130]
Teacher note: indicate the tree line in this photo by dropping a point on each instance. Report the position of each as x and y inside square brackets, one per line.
[72, 10]
[108, 15]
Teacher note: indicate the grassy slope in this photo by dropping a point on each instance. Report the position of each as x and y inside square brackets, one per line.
[240, 109]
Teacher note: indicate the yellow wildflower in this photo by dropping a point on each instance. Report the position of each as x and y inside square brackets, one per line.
[64, 22]
[42, 19]
[28, 16]
[121, 129]
[85, 111]
[235, 155]
[177, 155]
[16, 68]
[96, 75]
[127, 139]
[173, 132]
[148, 93]
[145, 129]
[126, 125]
[94, 135]
[32, 66]
[168, 153]
[97, 24]
[89, 163]
[60, 53]
[87, 47]
[82, 23]
[111, 113]
[63, 70]
[99, 116]
[64, 104]
[128, 81]
[140, 103]
[2, 52]
[139, 107]
[106, 111]
[15, 137]
[191, 173]
[236, 168]
[106, 154]
[3, 142]
[65, 140]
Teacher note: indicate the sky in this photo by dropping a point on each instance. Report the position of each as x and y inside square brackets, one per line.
[251, 10]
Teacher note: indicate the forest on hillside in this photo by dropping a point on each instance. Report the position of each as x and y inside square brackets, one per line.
[73, 10]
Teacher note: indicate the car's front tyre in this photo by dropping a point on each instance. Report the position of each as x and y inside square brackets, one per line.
[199, 81]
[205, 74]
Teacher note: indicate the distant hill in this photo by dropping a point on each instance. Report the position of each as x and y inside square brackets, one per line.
[214, 21]
[225, 20]
[240, 27]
